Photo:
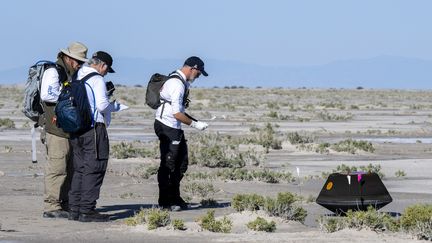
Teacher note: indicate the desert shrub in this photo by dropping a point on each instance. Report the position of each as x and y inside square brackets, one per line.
[209, 202]
[125, 150]
[295, 138]
[200, 190]
[272, 114]
[266, 137]
[417, 219]
[252, 202]
[351, 146]
[400, 173]
[326, 116]
[199, 175]
[371, 219]
[260, 224]
[322, 148]
[208, 222]
[144, 171]
[215, 151]
[273, 105]
[154, 218]
[265, 175]
[370, 168]
[126, 195]
[7, 123]
[423, 230]
[284, 206]
[331, 224]
[178, 224]
[137, 219]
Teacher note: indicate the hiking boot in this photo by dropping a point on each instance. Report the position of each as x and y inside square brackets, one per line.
[73, 215]
[56, 214]
[93, 216]
[182, 203]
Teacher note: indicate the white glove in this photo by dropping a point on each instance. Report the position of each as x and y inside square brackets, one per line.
[199, 125]
[116, 106]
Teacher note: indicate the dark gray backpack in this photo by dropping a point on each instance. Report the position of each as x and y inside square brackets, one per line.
[154, 87]
[32, 107]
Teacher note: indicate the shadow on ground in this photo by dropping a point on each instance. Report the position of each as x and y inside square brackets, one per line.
[128, 210]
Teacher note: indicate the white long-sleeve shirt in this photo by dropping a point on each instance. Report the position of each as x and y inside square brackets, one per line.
[100, 98]
[173, 90]
[50, 86]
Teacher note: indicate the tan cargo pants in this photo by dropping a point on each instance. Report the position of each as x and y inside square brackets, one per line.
[58, 172]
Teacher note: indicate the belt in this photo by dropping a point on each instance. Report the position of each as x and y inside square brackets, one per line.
[97, 124]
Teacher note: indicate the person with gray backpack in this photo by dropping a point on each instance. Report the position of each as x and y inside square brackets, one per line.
[58, 169]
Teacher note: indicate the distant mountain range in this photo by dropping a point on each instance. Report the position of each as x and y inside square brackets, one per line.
[378, 72]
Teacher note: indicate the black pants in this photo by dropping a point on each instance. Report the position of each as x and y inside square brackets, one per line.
[90, 152]
[173, 165]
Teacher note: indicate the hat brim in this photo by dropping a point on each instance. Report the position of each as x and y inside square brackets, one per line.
[110, 70]
[66, 52]
[204, 73]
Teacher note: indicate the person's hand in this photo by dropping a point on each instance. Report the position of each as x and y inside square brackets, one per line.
[199, 125]
[116, 105]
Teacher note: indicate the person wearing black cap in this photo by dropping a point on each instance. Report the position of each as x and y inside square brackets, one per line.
[91, 148]
[168, 120]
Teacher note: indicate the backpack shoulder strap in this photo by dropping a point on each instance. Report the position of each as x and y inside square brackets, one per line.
[85, 78]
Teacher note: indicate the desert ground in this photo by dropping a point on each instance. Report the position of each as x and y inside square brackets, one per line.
[256, 122]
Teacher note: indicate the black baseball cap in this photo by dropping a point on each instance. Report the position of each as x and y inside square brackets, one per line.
[197, 63]
[106, 58]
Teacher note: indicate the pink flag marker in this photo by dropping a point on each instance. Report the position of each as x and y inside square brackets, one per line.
[359, 177]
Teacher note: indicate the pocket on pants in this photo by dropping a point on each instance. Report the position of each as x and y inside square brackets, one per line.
[102, 142]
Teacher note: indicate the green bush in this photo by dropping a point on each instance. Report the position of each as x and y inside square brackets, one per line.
[219, 151]
[157, 218]
[284, 206]
[208, 222]
[201, 190]
[260, 224]
[7, 123]
[178, 224]
[331, 224]
[252, 202]
[295, 138]
[400, 173]
[412, 215]
[371, 219]
[145, 171]
[154, 218]
[351, 146]
[127, 150]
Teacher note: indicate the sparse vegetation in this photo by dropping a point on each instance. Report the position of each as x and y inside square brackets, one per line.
[260, 224]
[285, 205]
[178, 224]
[352, 146]
[400, 173]
[154, 218]
[125, 150]
[416, 220]
[208, 222]
[7, 123]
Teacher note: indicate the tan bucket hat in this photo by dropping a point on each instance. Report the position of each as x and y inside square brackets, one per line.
[77, 51]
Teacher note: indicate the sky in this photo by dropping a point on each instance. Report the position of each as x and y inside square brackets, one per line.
[270, 32]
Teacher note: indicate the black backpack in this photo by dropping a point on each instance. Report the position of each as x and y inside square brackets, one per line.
[73, 110]
[154, 87]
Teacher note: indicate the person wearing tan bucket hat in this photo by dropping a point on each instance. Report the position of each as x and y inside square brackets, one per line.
[58, 169]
